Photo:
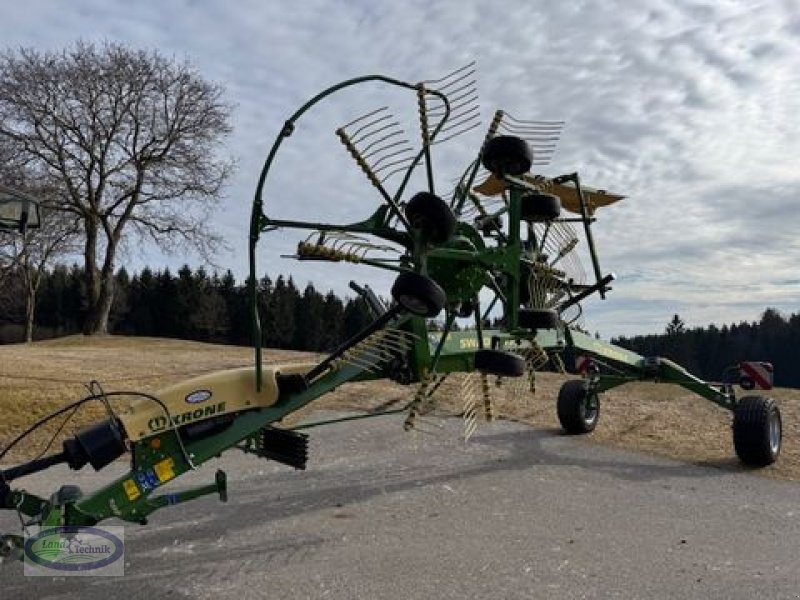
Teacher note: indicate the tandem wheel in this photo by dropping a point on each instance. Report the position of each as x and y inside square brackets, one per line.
[757, 431]
[578, 411]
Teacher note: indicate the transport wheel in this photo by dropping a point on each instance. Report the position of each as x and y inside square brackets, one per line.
[757, 431]
[577, 413]
[538, 318]
[507, 155]
[418, 294]
[540, 207]
[497, 362]
[431, 215]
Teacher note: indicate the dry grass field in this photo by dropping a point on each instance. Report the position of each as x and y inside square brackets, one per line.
[662, 419]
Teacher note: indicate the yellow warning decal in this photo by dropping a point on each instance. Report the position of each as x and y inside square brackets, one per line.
[165, 470]
[131, 489]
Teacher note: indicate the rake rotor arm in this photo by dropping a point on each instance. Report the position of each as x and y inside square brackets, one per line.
[601, 286]
[375, 304]
[587, 226]
[259, 221]
[379, 323]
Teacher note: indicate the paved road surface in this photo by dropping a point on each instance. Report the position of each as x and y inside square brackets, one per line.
[516, 513]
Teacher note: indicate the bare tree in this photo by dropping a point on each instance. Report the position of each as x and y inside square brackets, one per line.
[26, 256]
[129, 139]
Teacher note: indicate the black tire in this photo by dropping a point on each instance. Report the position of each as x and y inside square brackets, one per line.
[507, 155]
[757, 431]
[431, 215]
[538, 318]
[418, 294]
[576, 413]
[497, 362]
[537, 208]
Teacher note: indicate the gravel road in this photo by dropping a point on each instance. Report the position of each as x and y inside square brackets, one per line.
[515, 513]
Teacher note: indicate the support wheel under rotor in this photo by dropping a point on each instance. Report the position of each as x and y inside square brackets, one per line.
[418, 294]
[578, 412]
[432, 216]
[757, 431]
[507, 155]
[540, 207]
[538, 318]
[497, 362]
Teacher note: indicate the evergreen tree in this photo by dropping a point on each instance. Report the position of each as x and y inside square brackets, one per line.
[308, 320]
[333, 327]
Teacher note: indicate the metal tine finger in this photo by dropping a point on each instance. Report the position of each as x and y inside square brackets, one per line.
[393, 331]
[374, 141]
[395, 170]
[471, 120]
[456, 104]
[460, 88]
[396, 348]
[393, 341]
[393, 164]
[371, 355]
[364, 353]
[401, 164]
[379, 121]
[349, 247]
[364, 116]
[513, 119]
[400, 169]
[457, 133]
[460, 106]
[372, 349]
[350, 361]
[380, 354]
[371, 150]
[405, 150]
[457, 72]
[375, 127]
[398, 341]
[532, 129]
[467, 87]
[472, 113]
[358, 360]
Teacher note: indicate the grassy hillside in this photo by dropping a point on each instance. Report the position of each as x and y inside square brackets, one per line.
[663, 419]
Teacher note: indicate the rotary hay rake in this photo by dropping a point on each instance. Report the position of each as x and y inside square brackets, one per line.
[503, 242]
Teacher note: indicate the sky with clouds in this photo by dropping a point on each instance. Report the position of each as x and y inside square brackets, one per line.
[690, 109]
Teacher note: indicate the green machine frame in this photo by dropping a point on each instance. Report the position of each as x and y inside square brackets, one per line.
[458, 268]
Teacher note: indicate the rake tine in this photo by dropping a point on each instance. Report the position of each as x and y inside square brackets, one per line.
[470, 65]
[513, 119]
[368, 125]
[364, 116]
[365, 152]
[450, 137]
[457, 104]
[394, 163]
[405, 150]
[359, 362]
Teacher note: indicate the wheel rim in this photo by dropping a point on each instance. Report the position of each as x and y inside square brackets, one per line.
[414, 304]
[590, 411]
[774, 432]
